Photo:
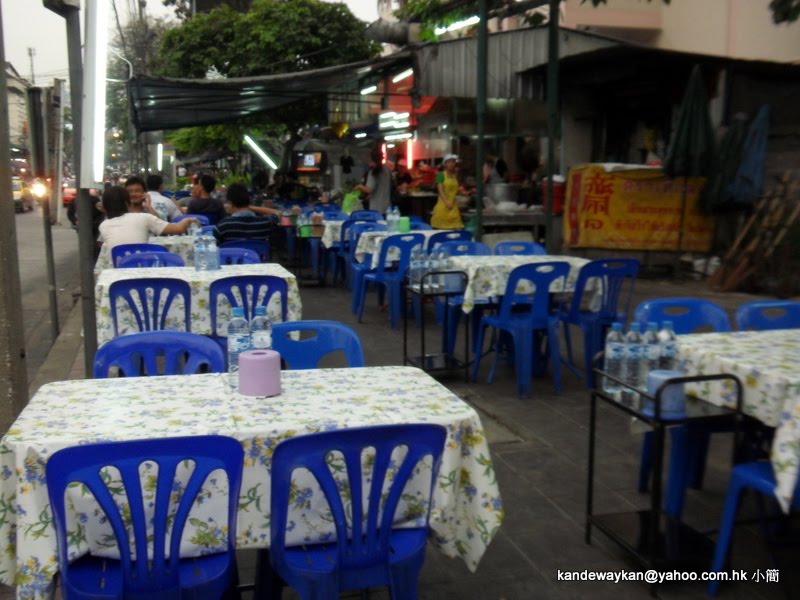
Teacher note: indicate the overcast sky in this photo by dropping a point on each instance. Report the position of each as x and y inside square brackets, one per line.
[27, 24]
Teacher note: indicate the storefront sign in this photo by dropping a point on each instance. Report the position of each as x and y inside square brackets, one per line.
[633, 209]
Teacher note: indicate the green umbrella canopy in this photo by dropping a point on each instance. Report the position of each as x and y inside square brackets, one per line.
[692, 149]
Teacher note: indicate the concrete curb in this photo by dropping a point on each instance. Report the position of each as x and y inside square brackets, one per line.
[62, 355]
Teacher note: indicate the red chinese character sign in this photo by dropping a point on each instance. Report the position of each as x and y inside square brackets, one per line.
[633, 209]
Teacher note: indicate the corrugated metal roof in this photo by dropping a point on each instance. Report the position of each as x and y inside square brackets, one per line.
[449, 68]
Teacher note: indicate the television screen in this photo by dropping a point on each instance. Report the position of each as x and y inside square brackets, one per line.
[310, 162]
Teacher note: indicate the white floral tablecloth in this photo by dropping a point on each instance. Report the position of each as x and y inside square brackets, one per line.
[466, 513]
[370, 242]
[487, 275]
[200, 283]
[182, 245]
[768, 364]
[332, 233]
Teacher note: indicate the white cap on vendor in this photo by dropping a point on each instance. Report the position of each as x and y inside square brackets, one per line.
[450, 157]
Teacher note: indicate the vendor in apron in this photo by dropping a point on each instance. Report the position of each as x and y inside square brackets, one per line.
[446, 214]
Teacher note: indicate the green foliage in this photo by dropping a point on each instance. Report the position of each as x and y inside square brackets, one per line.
[785, 11]
[272, 37]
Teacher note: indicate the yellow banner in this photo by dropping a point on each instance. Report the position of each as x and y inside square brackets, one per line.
[636, 209]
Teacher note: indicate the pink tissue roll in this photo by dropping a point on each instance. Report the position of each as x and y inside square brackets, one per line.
[260, 373]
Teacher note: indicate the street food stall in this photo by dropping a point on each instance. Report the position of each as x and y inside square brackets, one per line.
[634, 207]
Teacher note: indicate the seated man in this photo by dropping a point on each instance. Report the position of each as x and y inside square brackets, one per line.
[243, 222]
[202, 202]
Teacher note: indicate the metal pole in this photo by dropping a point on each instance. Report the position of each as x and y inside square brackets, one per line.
[480, 109]
[57, 150]
[39, 166]
[552, 116]
[86, 240]
[14, 382]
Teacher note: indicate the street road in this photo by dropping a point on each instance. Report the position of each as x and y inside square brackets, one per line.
[33, 275]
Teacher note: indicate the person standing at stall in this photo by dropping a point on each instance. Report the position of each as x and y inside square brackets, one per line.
[379, 183]
[445, 213]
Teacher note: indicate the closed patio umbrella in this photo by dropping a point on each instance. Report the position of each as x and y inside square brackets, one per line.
[749, 180]
[692, 150]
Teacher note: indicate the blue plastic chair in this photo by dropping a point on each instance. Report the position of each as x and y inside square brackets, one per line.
[260, 247]
[415, 219]
[365, 215]
[238, 256]
[121, 250]
[149, 299]
[521, 316]
[688, 315]
[167, 193]
[208, 229]
[182, 194]
[339, 254]
[418, 226]
[150, 259]
[458, 235]
[356, 270]
[306, 352]
[247, 291]
[204, 220]
[368, 552]
[151, 574]
[509, 248]
[756, 475]
[392, 278]
[465, 248]
[768, 314]
[611, 275]
[159, 353]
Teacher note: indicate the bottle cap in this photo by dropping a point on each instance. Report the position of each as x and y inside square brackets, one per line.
[652, 325]
[616, 326]
[261, 311]
[635, 326]
[237, 311]
[667, 325]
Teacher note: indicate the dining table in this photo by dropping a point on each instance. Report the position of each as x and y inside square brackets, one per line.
[768, 365]
[466, 506]
[370, 242]
[487, 275]
[200, 283]
[182, 245]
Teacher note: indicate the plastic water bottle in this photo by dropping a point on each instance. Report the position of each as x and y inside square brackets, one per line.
[652, 349]
[238, 342]
[442, 260]
[433, 266]
[193, 226]
[669, 349]
[396, 218]
[261, 330]
[614, 359]
[212, 253]
[425, 280]
[634, 360]
[415, 267]
[200, 253]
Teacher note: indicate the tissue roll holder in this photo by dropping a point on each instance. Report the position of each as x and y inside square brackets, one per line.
[260, 373]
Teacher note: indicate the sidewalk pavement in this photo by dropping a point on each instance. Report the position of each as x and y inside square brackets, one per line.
[539, 449]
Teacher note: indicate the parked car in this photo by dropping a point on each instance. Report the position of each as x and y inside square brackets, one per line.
[68, 192]
[23, 198]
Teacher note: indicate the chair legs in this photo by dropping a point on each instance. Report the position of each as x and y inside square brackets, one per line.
[726, 529]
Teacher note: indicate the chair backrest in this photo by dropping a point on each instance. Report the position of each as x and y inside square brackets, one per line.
[306, 352]
[149, 299]
[509, 247]
[458, 235]
[416, 219]
[182, 194]
[354, 232]
[204, 220]
[167, 193]
[465, 249]
[121, 250]
[361, 543]
[238, 256]
[418, 226]
[260, 247]
[149, 259]
[540, 276]
[365, 215]
[768, 314]
[159, 353]
[344, 234]
[611, 275]
[688, 315]
[150, 570]
[207, 229]
[403, 243]
[247, 291]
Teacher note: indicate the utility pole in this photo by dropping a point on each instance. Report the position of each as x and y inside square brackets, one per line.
[480, 110]
[31, 54]
[552, 116]
[14, 380]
